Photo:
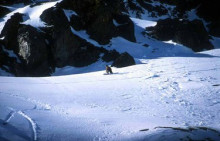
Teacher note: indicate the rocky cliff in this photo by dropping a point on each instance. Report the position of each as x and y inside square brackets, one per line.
[34, 41]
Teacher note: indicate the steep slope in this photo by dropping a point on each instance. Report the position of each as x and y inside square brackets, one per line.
[85, 33]
[171, 98]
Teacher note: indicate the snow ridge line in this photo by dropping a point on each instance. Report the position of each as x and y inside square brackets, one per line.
[32, 123]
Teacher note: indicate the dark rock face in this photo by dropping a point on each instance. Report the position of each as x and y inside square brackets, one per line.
[96, 17]
[191, 34]
[3, 11]
[4, 59]
[30, 48]
[132, 6]
[37, 53]
[76, 22]
[67, 48]
[10, 31]
[209, 11]
[63, 42]
[2, 56]
[125, 28]
[7, 62]
[110, 56]
[33, 51]
[102, 29]
[214, 28]
[86, 55]
[140, 5]
[159, 10]
[40, 52]
[29, 45]
[10, 2]
[124, 60]
[55, 17]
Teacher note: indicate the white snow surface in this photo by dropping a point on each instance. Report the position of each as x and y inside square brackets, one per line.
[135, 103]
[171, 86]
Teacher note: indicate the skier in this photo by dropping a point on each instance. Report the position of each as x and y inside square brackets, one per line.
[108, 69]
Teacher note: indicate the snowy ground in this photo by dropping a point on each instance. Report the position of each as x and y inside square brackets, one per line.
[172, 94]
[136, 103]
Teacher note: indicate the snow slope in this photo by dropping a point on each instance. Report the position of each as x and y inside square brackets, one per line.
[140, 102]
[145, 47]
[172, 94]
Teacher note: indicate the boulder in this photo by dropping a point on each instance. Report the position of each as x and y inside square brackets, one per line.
[55, 17]
[189, 33]
[124, 60]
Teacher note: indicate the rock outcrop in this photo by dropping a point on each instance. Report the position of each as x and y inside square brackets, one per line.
[3, 11]
[97, 18]
[10, 32]
[67, 48]
[124, 60]
[37, 51]
[33, 51]
[110, 56]
[189, 33]
[10, 2]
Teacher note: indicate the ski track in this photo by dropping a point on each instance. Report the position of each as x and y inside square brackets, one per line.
[170, 90]
[33, 125]
[9, 117]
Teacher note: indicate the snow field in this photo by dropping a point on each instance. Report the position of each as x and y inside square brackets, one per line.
[164, 92]
[170, 87]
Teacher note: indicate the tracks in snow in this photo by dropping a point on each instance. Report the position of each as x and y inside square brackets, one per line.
[9, 117]
[33, 125]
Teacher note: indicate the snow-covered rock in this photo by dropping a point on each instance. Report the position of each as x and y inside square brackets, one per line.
[80, 33]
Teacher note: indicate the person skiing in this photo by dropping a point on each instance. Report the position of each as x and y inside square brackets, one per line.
[108, 69]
